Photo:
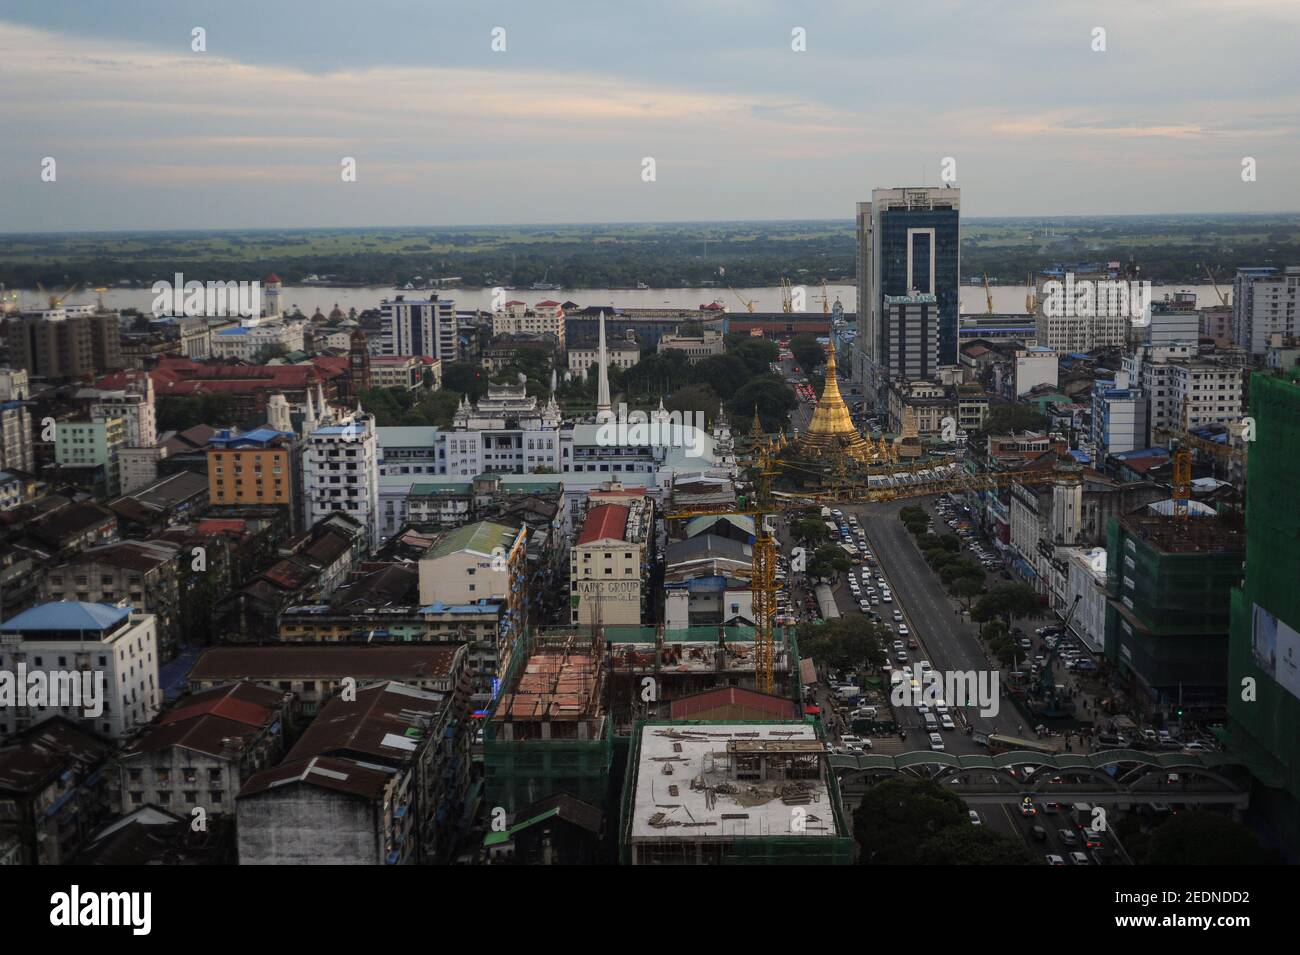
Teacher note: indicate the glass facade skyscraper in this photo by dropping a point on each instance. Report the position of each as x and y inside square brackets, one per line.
[909, 243]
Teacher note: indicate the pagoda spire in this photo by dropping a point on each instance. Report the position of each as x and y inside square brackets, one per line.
[831, 430]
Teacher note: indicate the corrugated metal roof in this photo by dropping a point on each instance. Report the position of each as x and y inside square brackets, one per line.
[67, 615]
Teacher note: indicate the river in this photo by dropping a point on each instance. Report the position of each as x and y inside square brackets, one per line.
[309, 298]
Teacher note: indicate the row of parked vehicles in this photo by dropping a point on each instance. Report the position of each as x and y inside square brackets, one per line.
[958, 519]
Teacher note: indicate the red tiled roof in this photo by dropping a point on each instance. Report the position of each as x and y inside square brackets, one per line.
[606, 522]
[183, 376]
[223, 525]
[549, 303]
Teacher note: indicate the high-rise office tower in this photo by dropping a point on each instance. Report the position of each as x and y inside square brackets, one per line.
[909, 244]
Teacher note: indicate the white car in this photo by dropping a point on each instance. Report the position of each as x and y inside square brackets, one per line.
[936, 742]
[887, 598]
[946, 722]
[898, 616]
[1053, 859]
[974, 818]
[864, 605]
[902, 630]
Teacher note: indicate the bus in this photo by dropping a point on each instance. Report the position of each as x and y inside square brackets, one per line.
[1009, 744]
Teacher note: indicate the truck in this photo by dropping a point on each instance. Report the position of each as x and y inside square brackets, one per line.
[1082, 813]
[826, 513]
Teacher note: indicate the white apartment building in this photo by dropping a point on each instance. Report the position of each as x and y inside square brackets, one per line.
[246, 340]
[15, 421]
[1265, 303]
[65, 637]
[421, 327]
[1210, 392]
[341, 473]
[134, 404]
[515, 318]
[1152, 369]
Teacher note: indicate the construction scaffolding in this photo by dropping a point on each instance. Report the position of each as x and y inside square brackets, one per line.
[1261, 728]
[548, 731]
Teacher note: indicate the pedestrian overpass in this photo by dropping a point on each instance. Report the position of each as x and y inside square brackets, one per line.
[1138, 777]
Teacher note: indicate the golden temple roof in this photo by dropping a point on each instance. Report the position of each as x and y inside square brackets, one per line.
[832, 430]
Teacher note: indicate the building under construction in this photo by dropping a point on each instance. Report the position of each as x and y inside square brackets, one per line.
[1261, 726]
[650, 669]
[549, 732]
[731, 793]
[1167, 618]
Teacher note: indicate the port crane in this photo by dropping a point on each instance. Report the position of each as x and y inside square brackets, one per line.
[988, 293]
[1223, 299]
[749, 305]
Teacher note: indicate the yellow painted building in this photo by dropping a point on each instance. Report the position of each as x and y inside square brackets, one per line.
[251, 468]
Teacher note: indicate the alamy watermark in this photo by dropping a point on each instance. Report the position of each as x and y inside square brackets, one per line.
[206, 299]
[663, 429]
[1091, 298]
[977, 688]
[56, 689]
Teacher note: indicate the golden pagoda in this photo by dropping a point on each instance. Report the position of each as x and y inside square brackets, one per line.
[831, 431]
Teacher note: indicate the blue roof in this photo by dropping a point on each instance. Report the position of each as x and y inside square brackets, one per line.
[233, 331]
[440, 607]
[67, 615]
[262, 436]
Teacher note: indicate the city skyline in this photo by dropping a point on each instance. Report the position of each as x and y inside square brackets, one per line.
[148, 134]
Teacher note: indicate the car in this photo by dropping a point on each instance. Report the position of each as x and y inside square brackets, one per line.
[900, 656]
[946, 722]
[1196, 746]
[887, 598]
[1038, 833]
[941, 707]
[898, 615]
[923, 709]
[1068, 837]
[1079, 858]
[875, 601]
[1051, 807]
[1053, 859]
[864, 605]
[1092, 839]
[912, 644]
[974, 818]
[897, 644]
[902, 630]
[936, 742]
[925, 665]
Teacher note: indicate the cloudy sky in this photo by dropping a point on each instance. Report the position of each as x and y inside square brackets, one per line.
[148, 134]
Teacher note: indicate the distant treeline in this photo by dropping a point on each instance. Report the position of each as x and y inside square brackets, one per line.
[1172, 249]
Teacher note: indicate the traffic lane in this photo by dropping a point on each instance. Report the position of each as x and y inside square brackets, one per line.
[951, 643]
[918, 589]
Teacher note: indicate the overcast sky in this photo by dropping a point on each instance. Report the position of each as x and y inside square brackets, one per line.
[150, 135]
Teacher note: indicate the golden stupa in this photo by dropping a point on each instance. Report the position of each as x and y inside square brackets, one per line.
[831, 431]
